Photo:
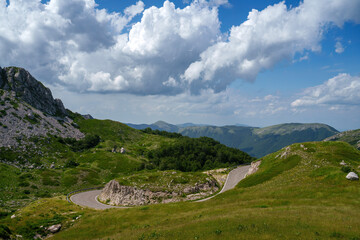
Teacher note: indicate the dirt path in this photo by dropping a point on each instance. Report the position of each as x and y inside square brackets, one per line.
[89, 198]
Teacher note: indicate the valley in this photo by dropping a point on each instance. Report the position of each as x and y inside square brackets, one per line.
[47, 153]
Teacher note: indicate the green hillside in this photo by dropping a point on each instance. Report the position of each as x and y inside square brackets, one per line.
[352, 137]
[58, 165]
[299, 192]
[259, 142]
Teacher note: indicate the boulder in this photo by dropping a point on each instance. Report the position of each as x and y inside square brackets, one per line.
[343, 163]
[54, 228]
[352, 176]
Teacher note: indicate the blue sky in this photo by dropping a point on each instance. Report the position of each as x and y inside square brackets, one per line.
[216, 62]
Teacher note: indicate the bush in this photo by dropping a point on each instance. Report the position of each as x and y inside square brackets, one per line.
[24, 184]
[194, 154]
[71, 164]
[346, 169]
[4, 232]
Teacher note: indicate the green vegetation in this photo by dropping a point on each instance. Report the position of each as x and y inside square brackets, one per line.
[310, 199]
[163, 180]
[57, 166]
[352, 137]
[88, 142]
[189, 154]
[259, 142]
[38, 216]
[161, 133]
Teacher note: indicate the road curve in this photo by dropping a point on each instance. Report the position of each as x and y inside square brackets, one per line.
[89, 198]
[233, 178]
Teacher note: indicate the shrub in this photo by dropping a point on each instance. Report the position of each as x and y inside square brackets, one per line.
[4, 232]
[71, 164]
[24, 184]
[346, 169]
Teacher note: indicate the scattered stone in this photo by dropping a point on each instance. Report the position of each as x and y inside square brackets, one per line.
[30, 115]
[54, 228]
[37, 236]
[52, 165]
[122, 150]
[13, 216]
[343, 163]
[352, 176]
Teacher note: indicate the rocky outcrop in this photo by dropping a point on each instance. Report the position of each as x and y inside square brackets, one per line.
[19, 122]
[253, 168]
[30, 90]
[54, 228]
[116, 194]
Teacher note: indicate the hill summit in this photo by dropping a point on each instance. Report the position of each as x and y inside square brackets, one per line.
[30, 90]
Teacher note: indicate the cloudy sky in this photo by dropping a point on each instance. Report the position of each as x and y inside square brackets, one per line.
[220, 62]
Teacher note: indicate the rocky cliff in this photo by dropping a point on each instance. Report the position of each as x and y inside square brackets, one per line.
[116, 194]
[33, 92]
[28, 109]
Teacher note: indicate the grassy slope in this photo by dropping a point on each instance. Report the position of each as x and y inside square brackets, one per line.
[164, 180]
[352, 137]
[97, 165]
[310, 199]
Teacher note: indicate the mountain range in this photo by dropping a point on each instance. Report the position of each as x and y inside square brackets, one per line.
[47, 151]
[256, 141]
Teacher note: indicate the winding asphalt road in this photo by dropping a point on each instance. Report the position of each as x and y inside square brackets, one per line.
[89, 198]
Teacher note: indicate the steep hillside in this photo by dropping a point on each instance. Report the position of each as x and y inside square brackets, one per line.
[44, 152]
[352, 137]
[31, 91]
[261, 141]
[256, 141]
[299, 192]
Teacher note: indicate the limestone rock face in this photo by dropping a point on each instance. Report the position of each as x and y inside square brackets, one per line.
[116, 194]
[30, 90]
[352, 176]
[253, 168]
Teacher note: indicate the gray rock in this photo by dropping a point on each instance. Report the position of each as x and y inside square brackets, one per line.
[352, 176]
[87, 116]
[122, 150]
[30, 90]
[343, 163]
[54, 228]
[116, 194]
[30, 115]
[37, 236]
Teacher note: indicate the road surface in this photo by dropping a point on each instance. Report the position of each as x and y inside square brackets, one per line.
[233, 178]
[89, 198]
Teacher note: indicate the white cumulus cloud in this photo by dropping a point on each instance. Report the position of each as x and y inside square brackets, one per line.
[342, 89]
[267, 37]
[169, 51]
